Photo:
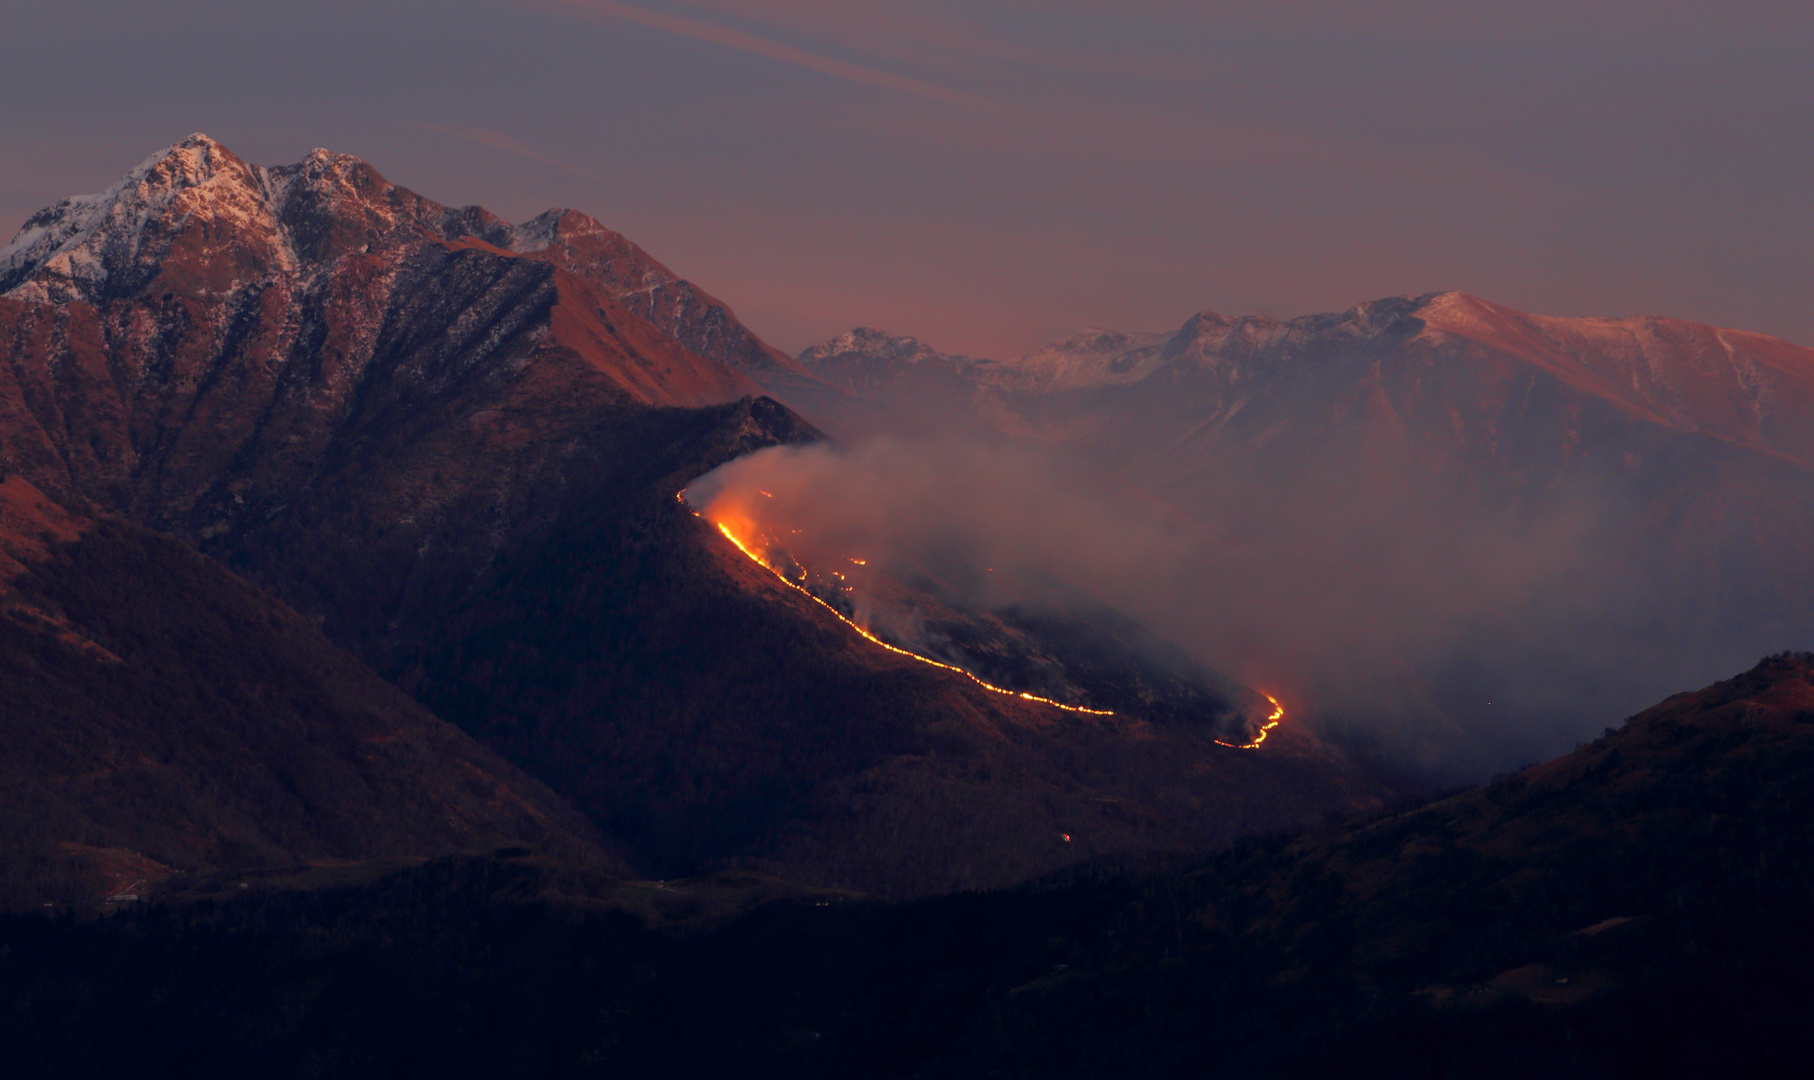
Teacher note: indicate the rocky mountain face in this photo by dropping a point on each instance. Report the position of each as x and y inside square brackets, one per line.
[1746, 389]
[1086, 360]
[173, 215]
[454, 444]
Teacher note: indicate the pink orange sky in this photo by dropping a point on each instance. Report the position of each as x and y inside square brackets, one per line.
[991, 174]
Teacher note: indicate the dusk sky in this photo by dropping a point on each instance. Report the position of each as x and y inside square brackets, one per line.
[991, 175]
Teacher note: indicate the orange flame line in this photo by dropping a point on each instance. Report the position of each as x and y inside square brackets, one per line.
[757, 559]
[1278, 713]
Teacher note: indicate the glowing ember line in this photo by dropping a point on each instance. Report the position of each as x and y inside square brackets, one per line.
[759, 561]
[1278, 713]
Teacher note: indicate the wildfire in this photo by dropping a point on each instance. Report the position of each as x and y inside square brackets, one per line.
[1278, 713]
[760, 561]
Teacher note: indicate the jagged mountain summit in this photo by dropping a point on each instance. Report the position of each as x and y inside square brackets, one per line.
[1747, 388]
[878, 353]
[1090, 358]
[178, 205]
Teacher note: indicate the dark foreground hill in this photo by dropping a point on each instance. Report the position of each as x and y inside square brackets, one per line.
[1636, 908]
[161, 715]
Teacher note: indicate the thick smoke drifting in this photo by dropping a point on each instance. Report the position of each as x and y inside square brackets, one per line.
[1457, 642]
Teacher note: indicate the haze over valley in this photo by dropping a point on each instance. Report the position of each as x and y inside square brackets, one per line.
[1461, 531]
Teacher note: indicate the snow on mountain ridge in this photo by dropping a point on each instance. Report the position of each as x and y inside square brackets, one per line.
[1090, 358]
[876, 345]
[71, 249]
[1745, 386]
[278, 219]
[1737, 385]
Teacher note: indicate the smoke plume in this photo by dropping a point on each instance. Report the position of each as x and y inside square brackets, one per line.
[1457, 636]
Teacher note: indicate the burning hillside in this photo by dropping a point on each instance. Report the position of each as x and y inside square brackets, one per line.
[908, 610]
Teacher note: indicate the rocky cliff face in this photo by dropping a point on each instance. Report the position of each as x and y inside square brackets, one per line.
[195, 217]
[867, 360]
[1747, 389]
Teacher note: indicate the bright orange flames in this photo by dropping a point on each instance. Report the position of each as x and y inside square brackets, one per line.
[760, 561]
[1278, 711]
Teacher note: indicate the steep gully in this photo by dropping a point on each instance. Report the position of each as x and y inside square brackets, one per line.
[1265, 729]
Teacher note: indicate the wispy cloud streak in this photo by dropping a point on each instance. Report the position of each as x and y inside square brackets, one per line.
[731, 38]
[945, 39]
[497, 140]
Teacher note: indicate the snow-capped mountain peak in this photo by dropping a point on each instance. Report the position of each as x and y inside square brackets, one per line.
[75, 248]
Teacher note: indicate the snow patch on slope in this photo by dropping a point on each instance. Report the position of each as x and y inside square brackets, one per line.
[878, 347]
[1086, 360]
[70, 250]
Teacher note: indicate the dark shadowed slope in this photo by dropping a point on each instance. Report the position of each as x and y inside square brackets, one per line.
[713, 710]
[1635, 909]
[157, 706]
[1626, 910]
